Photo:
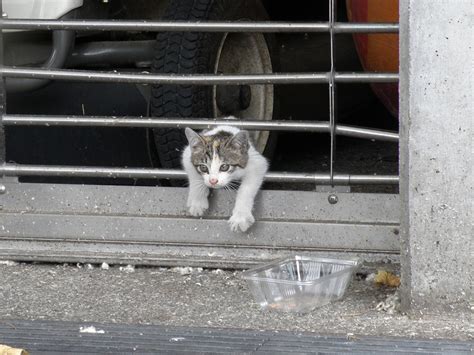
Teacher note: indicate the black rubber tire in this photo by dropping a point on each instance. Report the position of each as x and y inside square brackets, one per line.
[193, 53]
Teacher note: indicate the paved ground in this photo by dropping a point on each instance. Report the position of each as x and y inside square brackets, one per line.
[47, 337]
[201, 299]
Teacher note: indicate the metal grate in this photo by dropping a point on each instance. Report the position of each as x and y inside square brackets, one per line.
[331, 78]
[148, 225]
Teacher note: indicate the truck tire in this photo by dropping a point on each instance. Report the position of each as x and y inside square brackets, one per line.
[200, 53]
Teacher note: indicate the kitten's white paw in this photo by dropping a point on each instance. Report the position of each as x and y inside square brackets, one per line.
[241, 220]
[197, 208]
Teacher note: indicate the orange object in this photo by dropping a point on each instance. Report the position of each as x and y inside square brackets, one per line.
[377, 52]
[386, 278]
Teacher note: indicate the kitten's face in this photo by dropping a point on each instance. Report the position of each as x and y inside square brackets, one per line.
[218, 158]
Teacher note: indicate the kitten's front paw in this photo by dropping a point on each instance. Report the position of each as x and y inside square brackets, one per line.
[241, 220]
[197, 208]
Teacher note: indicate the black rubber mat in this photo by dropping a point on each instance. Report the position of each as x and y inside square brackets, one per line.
[44, 337]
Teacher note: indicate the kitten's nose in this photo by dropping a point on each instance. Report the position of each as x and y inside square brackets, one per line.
[213, 181]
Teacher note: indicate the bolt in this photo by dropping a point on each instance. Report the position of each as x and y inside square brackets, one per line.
[4, 15]
[3, 189]
[333, 199]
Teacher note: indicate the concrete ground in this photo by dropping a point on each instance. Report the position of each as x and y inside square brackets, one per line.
[204, 298]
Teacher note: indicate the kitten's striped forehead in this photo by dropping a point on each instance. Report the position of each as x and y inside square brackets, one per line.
[217, 141]
[217, 145]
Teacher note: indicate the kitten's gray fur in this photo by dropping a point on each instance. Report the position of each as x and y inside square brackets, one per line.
[216, 159]
[231, 149]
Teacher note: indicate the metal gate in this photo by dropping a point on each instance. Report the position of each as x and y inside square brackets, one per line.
[149, 225]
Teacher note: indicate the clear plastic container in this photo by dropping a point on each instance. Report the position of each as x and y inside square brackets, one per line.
[300, 284]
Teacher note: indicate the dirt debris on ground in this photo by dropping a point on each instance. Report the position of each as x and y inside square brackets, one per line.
[91, 330]
[8, 263]
[204, 298]
[128, 268]
[390, 305]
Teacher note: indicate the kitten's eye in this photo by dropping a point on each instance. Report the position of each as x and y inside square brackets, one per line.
[225, 167]
[203, 168]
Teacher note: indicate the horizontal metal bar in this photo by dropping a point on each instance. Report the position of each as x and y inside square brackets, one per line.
[369, 133]
[338, 179]
[195, 79]
[143, 173]
[353, 27]
[371, 77]
[180, 26]
[74, 171]
[31, 120]
[289, 126]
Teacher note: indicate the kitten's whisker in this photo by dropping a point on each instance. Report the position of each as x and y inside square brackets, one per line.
[198, 184]
[233, 185]
[230, 187]
[229, 193]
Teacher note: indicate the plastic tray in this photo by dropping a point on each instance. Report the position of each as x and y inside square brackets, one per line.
[300, 284]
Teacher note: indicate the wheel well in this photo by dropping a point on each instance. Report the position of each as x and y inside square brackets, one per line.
[300, 10]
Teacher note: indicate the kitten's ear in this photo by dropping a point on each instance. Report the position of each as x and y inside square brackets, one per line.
[193, 137]
[240, 140]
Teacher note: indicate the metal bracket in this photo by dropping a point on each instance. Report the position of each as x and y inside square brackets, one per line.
[333, 189]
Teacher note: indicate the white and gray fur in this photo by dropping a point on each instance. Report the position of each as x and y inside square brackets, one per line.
[217, 159]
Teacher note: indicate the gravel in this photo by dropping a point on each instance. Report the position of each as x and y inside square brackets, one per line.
[201, 298]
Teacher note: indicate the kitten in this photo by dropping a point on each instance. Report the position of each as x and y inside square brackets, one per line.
[216, 159]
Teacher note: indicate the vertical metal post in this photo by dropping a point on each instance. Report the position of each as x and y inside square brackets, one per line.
[332, 89]
[2, 97]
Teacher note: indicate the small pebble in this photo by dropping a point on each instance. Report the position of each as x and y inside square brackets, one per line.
[104, 266]
[128, 268]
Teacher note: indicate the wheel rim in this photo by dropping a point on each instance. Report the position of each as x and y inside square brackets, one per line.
[247, 53]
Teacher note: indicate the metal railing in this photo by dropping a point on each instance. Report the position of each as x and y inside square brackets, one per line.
[141, 173]
[183, 26]
[198, 79]
[294, 126]
[332, 78]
